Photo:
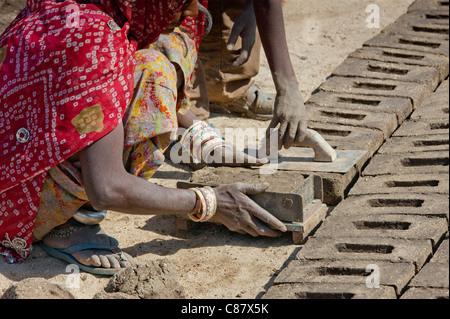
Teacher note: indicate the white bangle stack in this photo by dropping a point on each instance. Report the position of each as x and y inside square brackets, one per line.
[200, 140]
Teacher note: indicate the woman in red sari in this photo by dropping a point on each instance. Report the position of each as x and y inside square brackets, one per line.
[68, 75]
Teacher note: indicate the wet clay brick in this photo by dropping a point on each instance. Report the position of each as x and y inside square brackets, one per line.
[432, 275]
[345, 272]
[426, 24]
[386, 123]
[431, 126]
[390, 71]
[434, 107]
[328, 291]
[442, 254]
[336, 185]
[444, 87]
[414, 183]
[415, 144]
[384, 226]
[410, 42]
[425, 293]
[345, 137]
[411, 163]
[430, 205]
[400, 56]
[424, 5]
[364, 86]
[401, 107]
[432, 110]
[439, 97]
[374, 250]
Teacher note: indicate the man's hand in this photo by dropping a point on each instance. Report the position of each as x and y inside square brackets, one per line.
[290, 114]
[289, 110]
[244, 27]
[239, 213]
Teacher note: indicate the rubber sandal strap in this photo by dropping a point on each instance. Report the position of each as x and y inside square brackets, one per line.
[76, 248]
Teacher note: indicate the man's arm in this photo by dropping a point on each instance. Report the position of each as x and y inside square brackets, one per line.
[290, 112]
[244, 27]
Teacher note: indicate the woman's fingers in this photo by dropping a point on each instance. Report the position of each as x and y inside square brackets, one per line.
[240, 213]
[257, 211]
[263, 230]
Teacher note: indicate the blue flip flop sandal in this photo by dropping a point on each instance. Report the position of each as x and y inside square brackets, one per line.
[66, 255]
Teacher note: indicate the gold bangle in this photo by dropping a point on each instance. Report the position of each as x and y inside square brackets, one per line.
[208, 204]
[202, 210]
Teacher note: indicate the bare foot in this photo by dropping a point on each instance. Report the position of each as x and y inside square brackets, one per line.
[92, 235]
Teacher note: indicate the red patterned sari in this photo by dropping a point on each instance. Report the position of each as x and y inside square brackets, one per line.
[66, 79]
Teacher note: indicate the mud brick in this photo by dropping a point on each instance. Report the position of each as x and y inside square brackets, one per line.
[430, 205]
[415, 144]
[384, 226]
[444, 87]
[414, 183]
[442, 254]
[425, 293]
[412, 163]
[345, 272]
[401, 107]
[335, 185]
[426, 24]
[363, 86]
[410, 42]
[386, 123]
[424, 5]
[371, 250]
[432, 126]
[433, 109]
[390, 71]
[345, 137]
[432, 275]
[440, 97]
[328, 291]
[401, 56]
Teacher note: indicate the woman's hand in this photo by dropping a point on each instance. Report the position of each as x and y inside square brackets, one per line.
[240, 214]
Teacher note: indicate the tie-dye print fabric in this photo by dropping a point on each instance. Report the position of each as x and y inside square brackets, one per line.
[66, 81]
[56, 82]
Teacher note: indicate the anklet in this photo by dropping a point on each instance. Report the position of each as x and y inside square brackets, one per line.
[62, 233]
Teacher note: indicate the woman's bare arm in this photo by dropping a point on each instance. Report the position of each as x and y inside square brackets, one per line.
[109, 186]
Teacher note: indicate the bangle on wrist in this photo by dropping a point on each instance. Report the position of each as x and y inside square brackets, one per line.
[197, 137]
[208, 204]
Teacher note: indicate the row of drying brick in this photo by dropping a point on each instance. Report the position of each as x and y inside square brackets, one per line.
[396, 215]
[393, 221]
[348, 278]
[419, 158]
[378, 86]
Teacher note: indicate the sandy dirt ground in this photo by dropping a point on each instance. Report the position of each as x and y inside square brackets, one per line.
[213, 262]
